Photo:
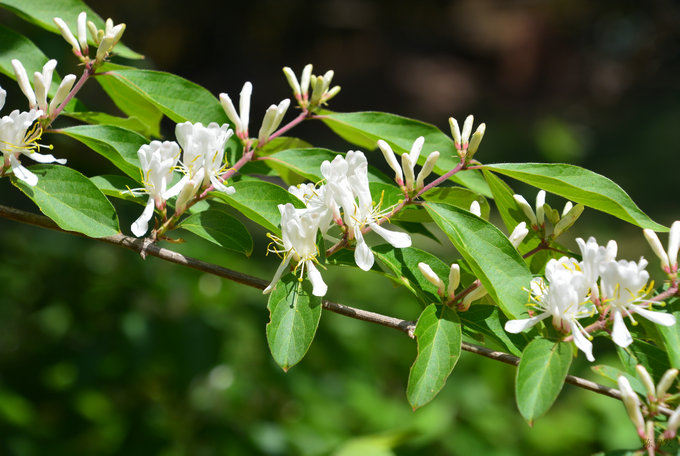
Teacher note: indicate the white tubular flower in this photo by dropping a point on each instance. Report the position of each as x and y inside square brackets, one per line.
[317, 200]
[624, 286]
[475, 208]
[42, 82]
[431, 277]
[454, 280]
[157, 161]
[203, 158]
[632, 403]
[426, 170]
[540, 211]
[563, 300]
[594, 259]
[298, 242]
[68, 36]
[62, 92]
[272, 120]
[518, 234]
[526, 208]
[392, 161]
[655, 244]
[22, 80]
[241, 120]
[673, 244]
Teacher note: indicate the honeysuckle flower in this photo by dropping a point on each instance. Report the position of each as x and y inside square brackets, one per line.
[317, 199]
[431, 277]
[157, 160]
[105, 39]
[19, 134]
[82, 32]
[669, 259]
[42, 81]
[272, 119]
[526, 209]
[656, 246]
[68, 36]
[241, 119]
[22, 80]
[466, 147]
[624, 288]
[518, 234]
[632, 403]
[203, 156]
[300, 89]
[540, 210]
[562, 298]
[298, 242]
[112, 34]
[321, 91]
[427, 169]
[594, 259]
[408, 162]
[454, 280]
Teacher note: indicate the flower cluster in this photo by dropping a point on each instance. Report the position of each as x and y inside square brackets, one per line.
[543, 211]
[344, 199]
[105, 39]
[571, 292]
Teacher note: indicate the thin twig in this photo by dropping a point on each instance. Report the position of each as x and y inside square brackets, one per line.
[408, 327]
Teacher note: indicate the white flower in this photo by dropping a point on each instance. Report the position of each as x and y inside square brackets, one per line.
[317, 200]
[158, 161]
[431, 277]
[42, 82]
[466, 146]
[408, 163]
[594, 259]
[272, 119]
[203, 156]
[19, 134]
[624, 288]
[563, 299]
[241, 119]
[298, 242]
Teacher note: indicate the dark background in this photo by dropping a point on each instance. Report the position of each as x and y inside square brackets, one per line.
[103, 353]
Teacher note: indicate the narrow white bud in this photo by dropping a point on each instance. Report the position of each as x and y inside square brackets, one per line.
[665, 383]
[455, 131]
[551, 214]
[467, 130]
[94, 32]
[230, 110]
[3, 94]
[426, 170]
[117, 33]
[82, 32]
[471, 297]
[317, 89]
[416, 148]
[567, 208]
[672, 424]
[330, 94]
[568, 220]
[518, 234]
[454, 280]
[475, 208]
[40, 91]
[281, 110]
[68, 35]
[632, 403]
[391, 160]
[22, 79]
[244, 105]
[267, 124]
[62, 92]
[524, 206]
[105, 46]
[431, 277]
[407, 167]
[292, 80]
[655, 244]
[674, 243]
[646, 381]
[540, 211]
[327, 78]
[475, 141]
[304, 80]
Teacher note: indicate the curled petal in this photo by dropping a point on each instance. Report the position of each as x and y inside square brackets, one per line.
[220, 186]
[396, 238]
[141, 225]
[45, 158]
[319, 287]
[582, 342]
[22, 173]
[620, 334]
[362, 254]
[517, 326]
[660, 318]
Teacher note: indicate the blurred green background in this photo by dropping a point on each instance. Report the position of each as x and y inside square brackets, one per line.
[102, 352]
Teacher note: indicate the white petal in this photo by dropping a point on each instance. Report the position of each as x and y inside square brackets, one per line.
[582, 342]
[660, 318]
[415, 149]
[517, 326]
[220, 186]
[141, 225]
[22, 173]
[175, 189]
[277, 275]
[230, 110]
[396, 238]
[3, 94]
[45, 158]
[319, 287]
[673, 238]
[620, 334]
[244, 104]
[362, 254]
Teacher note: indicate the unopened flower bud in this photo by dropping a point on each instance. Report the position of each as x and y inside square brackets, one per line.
[467, 131]
[22, 79]
[632, 403]
[407, 167]
[568, 220]
[62, 92]
[471, 297]
[104, 47]
[455, 132]
[454, 280]
[518, 234]
[427, 168]
[540, 211]
[94, 32]
[646, 381]
[665, 383]
[655, 244]
[475, 208]
[267, 123]
[292, 80]
[68, 35]
[230, 110]
[82, 32]
[567, 207]
[244, 105]
[672, 424]
[551, 214]
[304, 81]
[391, 160]
[524, 206]
[330, 94]
[432, 277]
[673, 244]
[475, 141]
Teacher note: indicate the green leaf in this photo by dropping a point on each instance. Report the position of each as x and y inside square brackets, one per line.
[612, 374]
[439, 338]
[540, 376]
[671, 340]
[366, 128]
[16, 46]
[71, 200]
[490, 255]
[579, 185]
[653, 358]
[259, 200]
[101, 118]
[294, 315]
[510, 212]
[117, 187]
[490, 322]
[283, 143]
[220, 228]
[41, 13]
[116, 144]
[460, 197]
[179, 99]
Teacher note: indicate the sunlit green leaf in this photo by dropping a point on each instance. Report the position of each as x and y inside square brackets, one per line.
[220, 228]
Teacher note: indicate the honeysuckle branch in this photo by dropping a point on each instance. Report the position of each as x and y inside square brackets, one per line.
[89, 71]
[459, 167]
[305, 114]
[144, 245]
